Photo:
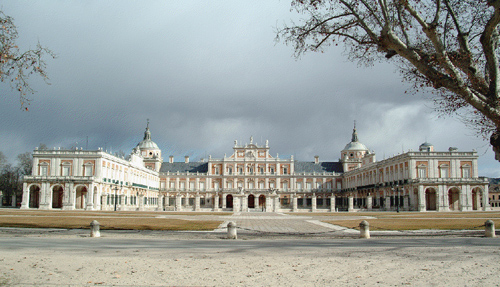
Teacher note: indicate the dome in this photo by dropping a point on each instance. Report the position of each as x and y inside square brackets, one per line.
[355, 144]
[147, 143]
[426, 144]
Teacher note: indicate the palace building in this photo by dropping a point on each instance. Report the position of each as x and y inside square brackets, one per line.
[251, 179]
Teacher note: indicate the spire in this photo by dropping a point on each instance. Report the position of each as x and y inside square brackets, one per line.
[354, 134]
[147, 133]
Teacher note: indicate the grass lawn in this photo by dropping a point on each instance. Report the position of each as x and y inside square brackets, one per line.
[108, 220]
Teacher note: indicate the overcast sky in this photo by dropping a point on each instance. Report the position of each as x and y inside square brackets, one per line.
[207, 73]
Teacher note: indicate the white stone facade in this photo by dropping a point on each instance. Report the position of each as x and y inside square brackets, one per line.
[251, 179]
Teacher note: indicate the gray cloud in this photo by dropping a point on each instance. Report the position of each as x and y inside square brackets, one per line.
[205, 74]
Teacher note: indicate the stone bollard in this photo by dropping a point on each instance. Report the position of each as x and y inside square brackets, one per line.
[489, 230]
[364, 229]
[95, 229]
[231, 231]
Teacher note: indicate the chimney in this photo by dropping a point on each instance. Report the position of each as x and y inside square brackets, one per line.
[316, 159]
[186, 159]
[171, 159]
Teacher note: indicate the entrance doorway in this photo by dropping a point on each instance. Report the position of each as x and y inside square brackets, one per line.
[57, 196]
[251, 201]
[34, 197]
[81, 196]
[430, 199]
[229, 201]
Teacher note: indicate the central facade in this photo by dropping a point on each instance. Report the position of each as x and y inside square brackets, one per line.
[251, 179]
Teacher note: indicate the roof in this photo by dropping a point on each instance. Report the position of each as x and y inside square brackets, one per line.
[301, 166]
[202, 167]
[355, 146]
[193, 167]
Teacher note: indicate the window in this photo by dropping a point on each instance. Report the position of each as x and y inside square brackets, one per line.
[272, 170]
[261, 170]
[202, 186]
[250, 185]
[285, 186]
[182, 186]
[444, 171]
[466, 171]
[422, 171]
[299, 185]
[309, 186]
[230, 170]
[230, 185]
[240, 170]
[285, 170]
[271, 185]
[191, 185]
[44, 169]
[66, 170]
[88, 170]
[261, 185]
[172, 185]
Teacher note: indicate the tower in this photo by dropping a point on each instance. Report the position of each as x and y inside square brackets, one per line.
[353, 153]
[150, 151]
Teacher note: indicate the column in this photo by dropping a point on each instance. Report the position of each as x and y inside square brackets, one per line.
[313, 203]
[161, 205]
[197, 202]
[244, 203]
[256, 201]
[104, 199]
[369, 202]
[216, 202]
[486, 204]
[268, 203]
[141, 202]
[406, 206]
[45, 196]
[276, 204]
[294, 203]
[26, 197]
[350, 207]
[178, 202]
[121, 202]
[332, 203]
[421, 198]
[224, 201]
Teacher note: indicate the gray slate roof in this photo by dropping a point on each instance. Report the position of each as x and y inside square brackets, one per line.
[202, 167]
[301, 166]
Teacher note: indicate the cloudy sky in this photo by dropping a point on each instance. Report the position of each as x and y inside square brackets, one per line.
[207, 73]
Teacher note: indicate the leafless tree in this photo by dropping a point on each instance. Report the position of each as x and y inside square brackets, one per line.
[16, 67]
[449, 47]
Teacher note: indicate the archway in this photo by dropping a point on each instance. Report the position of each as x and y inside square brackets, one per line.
[262, 201]
[81, 195]
[251, 201]
[477, 196]
[454, 199]
[57, 196]
[229, 201]
[34, 197]
[430, 199]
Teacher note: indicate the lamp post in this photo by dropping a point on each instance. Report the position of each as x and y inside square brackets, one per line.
[116, 196]
[397, 196]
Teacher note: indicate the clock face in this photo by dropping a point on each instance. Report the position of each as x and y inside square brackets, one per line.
[250, 154]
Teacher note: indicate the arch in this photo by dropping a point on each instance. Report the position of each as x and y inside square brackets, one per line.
[57, 196]
[229, 201]
[251, 201]
[81, 197]
[34, 197]
[430, 199]
[454, 198]
[477, 198]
